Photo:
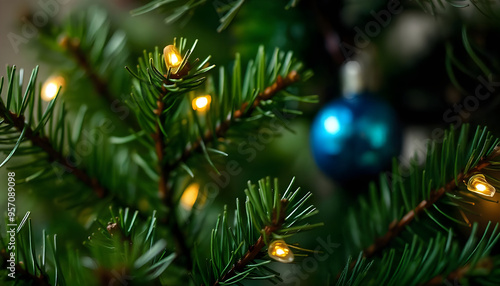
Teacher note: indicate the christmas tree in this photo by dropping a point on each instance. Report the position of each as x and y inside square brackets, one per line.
[242, 142]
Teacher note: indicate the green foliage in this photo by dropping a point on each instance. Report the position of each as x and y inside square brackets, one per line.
[421, 260]
[234, 96]
[238, 251]
[90, 52]
[245, 96]
[417, 203]
[227, 12]
[20, 106]
[245, 87]
[91, 57]
[155, 82]
[176, 9]
[128, 246]
[124, 249]
[446, 164]
[485, 7]
[478, 63]
[184, 127]
[183, 10]
[56, 150]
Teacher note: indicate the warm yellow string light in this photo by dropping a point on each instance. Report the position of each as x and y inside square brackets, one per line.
[172, 58]
[51, 87]
[189, 196]
[201, 103]
[479, 185]
[279, 251]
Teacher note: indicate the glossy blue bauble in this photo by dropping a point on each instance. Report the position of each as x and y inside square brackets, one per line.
[352, 137]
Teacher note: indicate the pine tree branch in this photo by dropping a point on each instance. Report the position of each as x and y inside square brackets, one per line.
[56, 156]
[100, 85]
[244, 112]
[159, 140]
[163, 191]
[165, 172]
[397, 226]
[255, 249]
[73, 47]
[238, 250]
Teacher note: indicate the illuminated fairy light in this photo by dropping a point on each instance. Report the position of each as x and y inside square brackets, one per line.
[172, 57]
[201, 103]
[189, 196]
[479, 185]
[51, 87]
[279, 251]
[174, 60]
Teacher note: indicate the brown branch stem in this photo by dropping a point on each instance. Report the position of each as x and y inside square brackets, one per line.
[57, 157]
[255, 249]
[73, 47]
[100, 85]
[163, 191]
[244, 111]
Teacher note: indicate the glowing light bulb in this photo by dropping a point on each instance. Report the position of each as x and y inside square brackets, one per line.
[51, 87]
[201, 102]
[479, 185]
[189, 196]
[279, 251]
[174, 60]
[172, 57]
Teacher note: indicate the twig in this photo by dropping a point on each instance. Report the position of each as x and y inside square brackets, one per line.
[73, 46]
[100, 85]
[163, 190]
[255, 249]
[55, 156]
[397, 226]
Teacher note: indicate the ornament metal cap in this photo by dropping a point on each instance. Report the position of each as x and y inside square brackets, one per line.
[352, 79]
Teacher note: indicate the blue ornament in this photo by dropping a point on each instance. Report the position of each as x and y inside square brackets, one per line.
[357, 136]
